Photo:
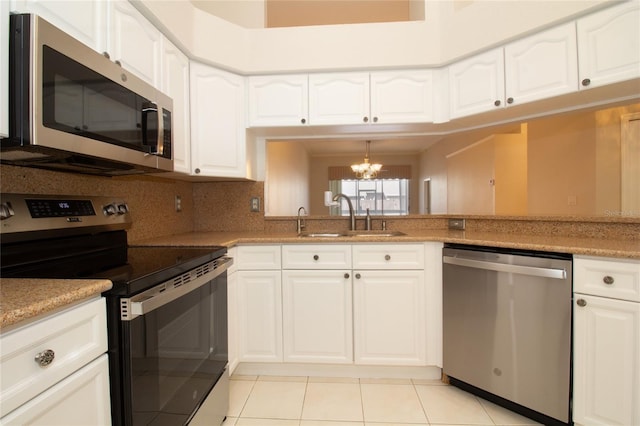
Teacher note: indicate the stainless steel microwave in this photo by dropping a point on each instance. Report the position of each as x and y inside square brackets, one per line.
[73, 109]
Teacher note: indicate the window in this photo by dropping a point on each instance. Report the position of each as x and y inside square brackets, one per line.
[383, 197]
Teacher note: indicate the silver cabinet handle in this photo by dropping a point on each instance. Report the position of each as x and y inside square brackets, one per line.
[365, 119]
[581, 302]
[387, 257]
[608, 280]
[506, 267]
[586, 82]
[316, 257]
[509, 100]
[358, 276]
[346, 275]
[497, 102]
[45, 358]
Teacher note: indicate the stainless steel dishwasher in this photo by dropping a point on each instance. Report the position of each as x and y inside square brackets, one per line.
[507, 328]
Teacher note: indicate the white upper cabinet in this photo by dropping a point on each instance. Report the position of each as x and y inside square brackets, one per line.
[135, 42]
[4, 70]
[536, 67]
[476, 84]
[84, 20]
[175, 83]
[280, 100]
[218, 135]
[402, 96]
[542, 65]
[339, 98]
[609, 45]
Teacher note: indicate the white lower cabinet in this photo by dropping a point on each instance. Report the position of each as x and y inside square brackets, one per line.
[259, 298]
[389, 317]
[80, 399]
[57, 366]
[317, 316]
[232, 312]
[606, 333]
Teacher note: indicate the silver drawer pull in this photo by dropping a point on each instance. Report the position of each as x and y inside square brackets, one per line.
[608, 279]
[45, 358]
[387, 257]
[581, 302]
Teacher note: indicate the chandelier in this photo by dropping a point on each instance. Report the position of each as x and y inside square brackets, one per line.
[366, 170]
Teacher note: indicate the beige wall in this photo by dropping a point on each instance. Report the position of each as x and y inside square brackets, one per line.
[448, 32]
[319, 178]
[287, 179]
[292, 13]
[572, 166]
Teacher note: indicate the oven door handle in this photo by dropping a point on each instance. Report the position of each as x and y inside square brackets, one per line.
[162, 294]
[507, 267]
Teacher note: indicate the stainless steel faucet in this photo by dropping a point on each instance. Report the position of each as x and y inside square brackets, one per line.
[352, 216]
[301, 223]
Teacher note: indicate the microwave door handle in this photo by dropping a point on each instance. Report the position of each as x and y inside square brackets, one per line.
[154, 143]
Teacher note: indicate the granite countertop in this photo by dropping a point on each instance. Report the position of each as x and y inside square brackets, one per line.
[23, 299]
[620, 248]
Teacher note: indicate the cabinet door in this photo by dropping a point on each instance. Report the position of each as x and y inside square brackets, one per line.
[339, 98]
[542, 65]
[80, 399]
[232, 320]
[135, 42]
[86, 21]
[477, 84]
[259, 316]
[389, 317]
[317, 316]
[175, 83]
[279, 100]
[402, 96]
[4, 70]
[218, 138]
[609, 45]
[606, 361]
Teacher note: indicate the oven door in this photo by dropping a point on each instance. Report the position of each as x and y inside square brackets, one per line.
[171, 352]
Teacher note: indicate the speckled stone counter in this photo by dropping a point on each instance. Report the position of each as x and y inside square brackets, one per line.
[24, 299]
[606, 247]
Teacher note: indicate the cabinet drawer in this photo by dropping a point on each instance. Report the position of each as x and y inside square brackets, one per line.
[76, 336]
[259, 257]
[615, 278]
[388, 256]
[316, 256]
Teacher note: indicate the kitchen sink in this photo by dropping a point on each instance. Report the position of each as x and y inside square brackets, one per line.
[322, 234]
[355, 234]
[375, 233]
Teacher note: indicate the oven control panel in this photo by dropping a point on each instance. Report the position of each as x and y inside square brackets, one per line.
[30, 216]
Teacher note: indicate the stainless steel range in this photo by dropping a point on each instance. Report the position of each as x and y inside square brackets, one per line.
[166, 312]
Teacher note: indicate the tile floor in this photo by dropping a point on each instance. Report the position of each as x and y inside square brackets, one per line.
[314, 401]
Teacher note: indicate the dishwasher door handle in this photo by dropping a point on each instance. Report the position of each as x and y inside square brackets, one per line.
[560, 274]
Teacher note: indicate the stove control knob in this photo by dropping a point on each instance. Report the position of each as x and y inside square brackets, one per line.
[6, 211]
[123, 208]
[110, 210]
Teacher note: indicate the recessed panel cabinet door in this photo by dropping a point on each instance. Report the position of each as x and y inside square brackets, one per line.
[281, 100]
[476, 84]
[317, 316]
[606, 365]
[339, 98]
[135, 42]
[609, 45]
[402, 96]
[86, 21]
[542, 65]
[218, 137]
[175, 83]
[389, 317]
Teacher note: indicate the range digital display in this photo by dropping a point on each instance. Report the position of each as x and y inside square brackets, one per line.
[60, 208]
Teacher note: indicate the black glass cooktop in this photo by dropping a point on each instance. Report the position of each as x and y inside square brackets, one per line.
[131, 269]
